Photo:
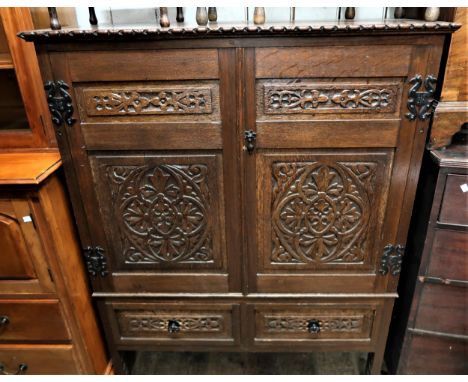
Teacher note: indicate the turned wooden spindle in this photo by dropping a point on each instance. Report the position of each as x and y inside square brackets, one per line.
[202, 16]
[350, 13]
[54, 22]
[259, 15]
[180, 15]
[399, 12]
[92, 16]
[164, 18]
[212, 14]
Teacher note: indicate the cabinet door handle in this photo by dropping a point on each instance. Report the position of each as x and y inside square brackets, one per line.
[313, 326]
[173, 326]
[22, 367]
[250, 138]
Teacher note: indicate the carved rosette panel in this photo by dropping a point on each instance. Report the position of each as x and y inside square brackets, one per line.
[148, 101]
[321, 212]
[162, 212]
[315, 98]
[351, 324]
[150, 322]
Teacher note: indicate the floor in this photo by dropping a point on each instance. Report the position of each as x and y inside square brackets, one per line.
[257, 363]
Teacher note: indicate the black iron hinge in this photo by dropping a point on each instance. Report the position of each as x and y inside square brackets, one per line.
[391, 259]
[421, 104]
[96, 262]
[60, 102]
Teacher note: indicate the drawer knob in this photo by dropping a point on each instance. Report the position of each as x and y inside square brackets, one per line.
[173, 326]
[22, 367]
[4, 321]
[313, 326]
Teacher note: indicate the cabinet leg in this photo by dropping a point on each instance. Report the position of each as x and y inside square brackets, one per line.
[118, 363]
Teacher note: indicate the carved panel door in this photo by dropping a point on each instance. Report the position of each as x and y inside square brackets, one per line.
[157, 154]
[329, 125]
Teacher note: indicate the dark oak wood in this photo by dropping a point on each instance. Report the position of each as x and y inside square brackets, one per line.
[199, 225]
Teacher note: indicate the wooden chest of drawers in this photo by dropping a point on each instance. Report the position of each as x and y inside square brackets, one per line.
[243, 189]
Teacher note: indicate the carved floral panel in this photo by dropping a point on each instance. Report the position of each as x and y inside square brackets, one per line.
[158, 100]
[134, 323]
[316, 98]
[321, 212]
[294, 324]
[162, 211]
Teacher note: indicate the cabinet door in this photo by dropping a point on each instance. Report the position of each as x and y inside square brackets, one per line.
[23, 266]
[326, 185]
[16, 261]
[157, 175]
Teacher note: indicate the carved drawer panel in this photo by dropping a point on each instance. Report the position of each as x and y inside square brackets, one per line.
[303, 99]
[175, 323]
[308, 323]
[32, 321]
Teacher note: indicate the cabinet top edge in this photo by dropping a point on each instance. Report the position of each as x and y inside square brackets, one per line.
[184, 30]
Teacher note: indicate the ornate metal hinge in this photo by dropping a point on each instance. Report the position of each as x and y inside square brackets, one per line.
[96, 262]
[60, 102]
[250, 137]
[391, 259]
[421, 103]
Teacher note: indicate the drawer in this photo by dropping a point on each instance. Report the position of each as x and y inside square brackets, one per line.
[39, 359]
[448, 258]
[168, 324]
[306, 324]
[442, 308]
[454, 206]
[31, 321]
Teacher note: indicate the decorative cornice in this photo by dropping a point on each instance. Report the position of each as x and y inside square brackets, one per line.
[239, 30]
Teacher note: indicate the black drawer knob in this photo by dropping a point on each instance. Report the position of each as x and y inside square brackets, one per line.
[22, 367]
[313, 326]
[4, 321]
[173, 326]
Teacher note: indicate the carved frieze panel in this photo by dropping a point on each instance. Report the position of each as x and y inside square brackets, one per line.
[148, 100]
[320, 97]
[294, 324]
[320, 212]
[163, 211]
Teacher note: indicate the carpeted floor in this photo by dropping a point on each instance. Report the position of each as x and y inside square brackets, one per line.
[256, 363]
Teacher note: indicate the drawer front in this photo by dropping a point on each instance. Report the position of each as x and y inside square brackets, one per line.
[32, 321]
[169, 324]
[448, 258]
[39, 359]
[454, 206]
[442, 308]
[312, 323]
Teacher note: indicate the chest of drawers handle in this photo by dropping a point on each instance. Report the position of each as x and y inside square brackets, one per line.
[22, 367]
[173, 326]
[4, 321]
[313, 326]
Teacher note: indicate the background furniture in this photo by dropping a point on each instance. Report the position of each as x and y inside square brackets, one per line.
[246, 189]
[47, 324]
[24, 115]
[428, 333]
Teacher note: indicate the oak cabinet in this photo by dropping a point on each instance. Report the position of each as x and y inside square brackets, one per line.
[249, 190]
